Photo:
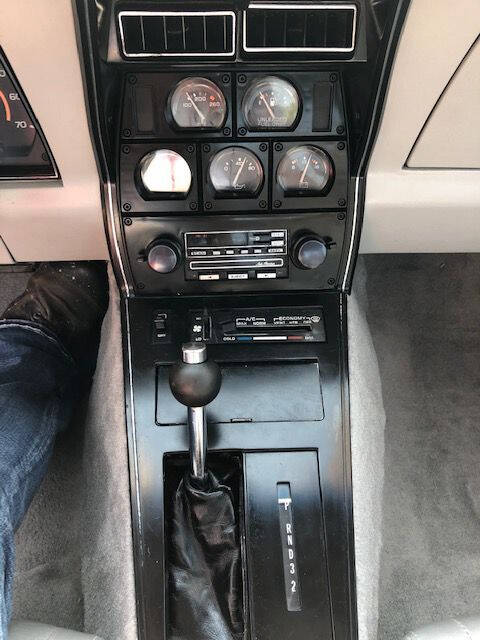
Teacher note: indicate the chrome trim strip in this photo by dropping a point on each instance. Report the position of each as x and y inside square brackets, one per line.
[111, 215]
[353, 234]
[293, 7]
[134, 427]
[182, 14]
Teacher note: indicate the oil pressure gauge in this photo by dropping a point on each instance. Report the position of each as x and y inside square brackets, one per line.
[305, 170]
[270, 103]
[236, 172]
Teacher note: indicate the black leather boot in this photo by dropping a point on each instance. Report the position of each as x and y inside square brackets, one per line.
[69, 299]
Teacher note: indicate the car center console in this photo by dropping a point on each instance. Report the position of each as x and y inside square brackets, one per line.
[232, 138]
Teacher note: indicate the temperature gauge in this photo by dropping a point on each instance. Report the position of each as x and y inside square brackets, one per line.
[236, 172]
[305, 170]
[197, 103]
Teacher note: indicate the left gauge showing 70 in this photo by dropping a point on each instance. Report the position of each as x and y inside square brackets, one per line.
[17, 131]
[198, 103]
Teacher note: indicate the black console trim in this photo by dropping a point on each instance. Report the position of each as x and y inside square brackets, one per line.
[149, 443]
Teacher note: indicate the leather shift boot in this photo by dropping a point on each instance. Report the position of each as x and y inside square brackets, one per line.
[206, 600]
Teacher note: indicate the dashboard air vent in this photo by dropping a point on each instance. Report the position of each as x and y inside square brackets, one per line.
[299, 28]
[177, 34]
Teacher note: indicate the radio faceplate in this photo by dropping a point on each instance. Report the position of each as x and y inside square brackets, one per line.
[236, 255]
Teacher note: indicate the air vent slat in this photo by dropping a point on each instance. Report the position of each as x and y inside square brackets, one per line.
[299, 28]
[168, 33]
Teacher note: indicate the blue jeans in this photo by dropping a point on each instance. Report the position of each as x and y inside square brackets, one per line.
[37, 394]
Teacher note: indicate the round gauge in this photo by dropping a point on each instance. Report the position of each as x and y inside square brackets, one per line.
[165, 172]
[17, 131]
[235, 171]
[197, 103]
[305, 170]
[270, 103]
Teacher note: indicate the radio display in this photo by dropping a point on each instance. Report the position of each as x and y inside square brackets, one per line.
[236, 239]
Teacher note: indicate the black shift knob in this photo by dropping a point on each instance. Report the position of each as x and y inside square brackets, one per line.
[196, 381]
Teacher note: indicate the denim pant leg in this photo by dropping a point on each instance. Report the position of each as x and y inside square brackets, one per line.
[37, 393]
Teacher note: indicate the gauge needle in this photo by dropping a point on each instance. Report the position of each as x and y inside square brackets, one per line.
[195, 107]
[267, 105]
[305, 170]
[239, 172]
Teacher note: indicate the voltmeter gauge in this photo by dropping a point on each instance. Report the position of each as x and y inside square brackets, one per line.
[305, 170]
[270, 103]
[236, 172]
[197, 103]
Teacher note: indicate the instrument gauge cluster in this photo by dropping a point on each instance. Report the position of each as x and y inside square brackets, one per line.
[230, 141]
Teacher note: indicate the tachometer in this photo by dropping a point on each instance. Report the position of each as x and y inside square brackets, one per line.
[270, 103]
[305, 170]
[197, 103]
[236, 172]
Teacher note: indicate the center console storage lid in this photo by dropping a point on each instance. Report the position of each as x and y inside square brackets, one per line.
[251, 392]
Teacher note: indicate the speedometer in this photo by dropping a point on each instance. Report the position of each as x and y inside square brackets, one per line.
[24, 151]
[17, 131]
[197, 103]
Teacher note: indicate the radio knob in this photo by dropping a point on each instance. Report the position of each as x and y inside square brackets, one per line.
[163, 256]
[309, 252]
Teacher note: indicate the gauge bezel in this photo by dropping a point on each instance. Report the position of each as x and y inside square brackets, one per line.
[257, 80]
[236, 194]
[337, 195]
[302, 193]
[212, 202]
[133, 201]
[169, 115]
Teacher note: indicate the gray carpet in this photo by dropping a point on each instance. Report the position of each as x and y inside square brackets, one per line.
[11, 286]
[74, 564]
[367, 421]
[424, 312]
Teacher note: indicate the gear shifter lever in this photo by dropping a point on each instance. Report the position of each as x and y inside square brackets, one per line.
[195, 382]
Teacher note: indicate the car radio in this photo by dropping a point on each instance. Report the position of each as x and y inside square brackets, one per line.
[236, 255]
